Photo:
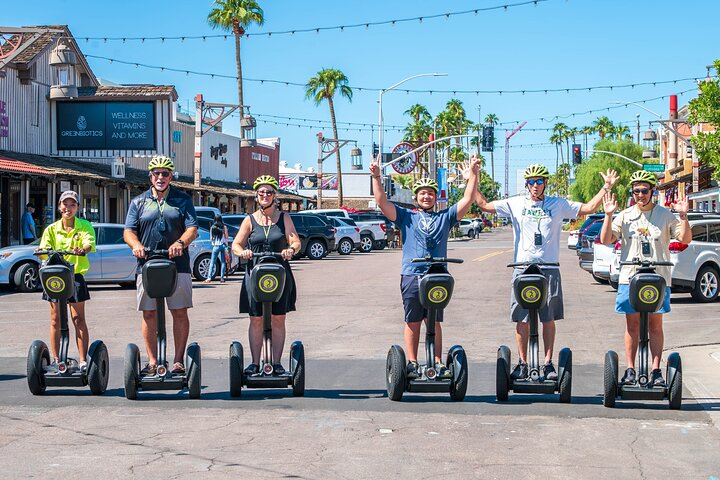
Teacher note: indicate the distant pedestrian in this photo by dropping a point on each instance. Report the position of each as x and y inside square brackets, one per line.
[477, 226]
[28, 224]
[218, 240]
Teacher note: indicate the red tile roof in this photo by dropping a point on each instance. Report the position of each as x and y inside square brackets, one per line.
[9, 165]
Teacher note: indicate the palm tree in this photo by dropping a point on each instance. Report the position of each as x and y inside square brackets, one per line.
[558, 138]
[492, 119]
[236, 16]
[620, 132]
[419, 129]
[602, 126]
[323, 86]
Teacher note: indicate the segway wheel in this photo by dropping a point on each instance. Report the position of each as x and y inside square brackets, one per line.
[132, 371]
[395, 373]
[457, 360]
[98, 368]
[236, 369]
[565, 386]
[38, 358]
[674, 376]
[297, 368]
[610, 379]
[194, 372]
[502, 374]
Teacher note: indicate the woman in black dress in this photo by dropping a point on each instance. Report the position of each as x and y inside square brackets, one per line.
[267, 227]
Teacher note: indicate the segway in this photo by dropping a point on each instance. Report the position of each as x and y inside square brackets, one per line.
[530, 289]
[436, 288]
[159, 277]
[266, 282]
[57, 277]
[647, 293]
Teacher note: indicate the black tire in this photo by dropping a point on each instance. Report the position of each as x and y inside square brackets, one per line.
[610, 379]
[99, 369]
[602, 281]
[27, 277]
[366, 243]
[457, 361]
[38, 358]
[614, 285]
[502, 374]
[345, 246]
[379, 244]
[675, 387]
[236, 369]
[565, 386]
[201, 267]
[131, 373]
[395, 373]
[471, 233]
[297, 368]
[194, 373]
[706, 285]
[315, 250]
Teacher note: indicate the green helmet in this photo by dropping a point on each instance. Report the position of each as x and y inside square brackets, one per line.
[643, 176]
[161, 161]
[425, 183]
[266, 180]
[536, 170]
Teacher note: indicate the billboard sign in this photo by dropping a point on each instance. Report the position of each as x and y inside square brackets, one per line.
[106, 126]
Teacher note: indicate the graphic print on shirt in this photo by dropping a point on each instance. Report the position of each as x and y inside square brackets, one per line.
[645, 234]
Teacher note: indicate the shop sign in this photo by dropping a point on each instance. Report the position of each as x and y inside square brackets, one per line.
[260, 157]
[654, 167]
[106, 125]
[4, 120]
[220, 152]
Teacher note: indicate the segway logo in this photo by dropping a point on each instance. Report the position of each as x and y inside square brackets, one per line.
[530, 294]
[649, 294]
[268, 283]
[55, 284]
[437, 294]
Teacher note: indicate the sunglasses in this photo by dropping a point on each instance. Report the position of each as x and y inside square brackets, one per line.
[643, 191]
[164, 174]
[539, 181]
[266, 193]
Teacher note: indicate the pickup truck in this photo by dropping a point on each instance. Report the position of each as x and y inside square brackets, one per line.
[373, 231]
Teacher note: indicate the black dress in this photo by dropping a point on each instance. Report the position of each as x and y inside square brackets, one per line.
[275, 237]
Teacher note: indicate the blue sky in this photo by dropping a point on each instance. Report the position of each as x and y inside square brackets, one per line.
[554, 44]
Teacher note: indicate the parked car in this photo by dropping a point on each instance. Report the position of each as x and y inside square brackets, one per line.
[207, 212]
[317, 237]
[467, 227]
[572, 239]
[697, 265]
[206, 223]
[592, 218]
[347, 234]
[603, 258]
[200, 251]
[374, 228]
[585, 253]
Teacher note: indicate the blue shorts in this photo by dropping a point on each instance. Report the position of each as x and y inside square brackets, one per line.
[410, 289]
[622, 300]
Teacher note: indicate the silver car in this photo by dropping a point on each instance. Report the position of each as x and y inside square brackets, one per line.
[347, 234]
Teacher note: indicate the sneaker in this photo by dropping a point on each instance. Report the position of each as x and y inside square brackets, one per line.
[82, 366]
[629, 378]
[656, 378]
[149, 370]
[278, 369]
[520, 372]
[442, 371]
[252, 369]
[178, 368]
[207, 280]
[412, 370]
[222, 280]
[549, 372]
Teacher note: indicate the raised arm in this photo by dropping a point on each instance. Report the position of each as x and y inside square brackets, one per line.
[610, 177]
[466, 202]
[606, 234]
[684, 231]
[385, 205]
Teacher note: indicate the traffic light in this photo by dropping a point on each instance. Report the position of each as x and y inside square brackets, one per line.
[376, 150]
[577, 154]
[488, 140]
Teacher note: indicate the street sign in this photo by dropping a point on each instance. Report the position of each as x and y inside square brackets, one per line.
[654, 167]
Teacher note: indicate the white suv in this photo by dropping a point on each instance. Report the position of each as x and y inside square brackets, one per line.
[697, 265]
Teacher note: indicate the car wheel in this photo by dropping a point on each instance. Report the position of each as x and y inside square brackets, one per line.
[27, 278]
[706, 285]
[201, 269]
[471, 233]
[315, 250]
[602, 281]
[366, 243]
[614, 285]
[345, 247]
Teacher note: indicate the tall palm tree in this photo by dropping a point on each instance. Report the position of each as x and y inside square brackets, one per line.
[236, 16]
[323, 86]
[492, 119]
[620, 132]
[419, 129]
[603, 126]
[559, 130]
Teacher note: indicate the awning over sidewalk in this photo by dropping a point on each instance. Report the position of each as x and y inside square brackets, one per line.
[17, 166]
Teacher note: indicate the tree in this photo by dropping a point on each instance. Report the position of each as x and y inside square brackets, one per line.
[559, 181]
[323, 86]
[706, 109]
[236, 16]
[418, 131]
[620, 132]
[603, 126]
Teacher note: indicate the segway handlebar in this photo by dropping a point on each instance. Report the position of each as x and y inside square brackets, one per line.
[149, 252]
[47, 251]
[646, 263]
[266, 253]
[430, 259]
[539, 264]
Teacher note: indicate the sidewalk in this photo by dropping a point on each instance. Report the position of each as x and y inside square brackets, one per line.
[701, 377]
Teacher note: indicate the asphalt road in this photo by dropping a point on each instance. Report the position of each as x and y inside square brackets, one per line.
[349, 314]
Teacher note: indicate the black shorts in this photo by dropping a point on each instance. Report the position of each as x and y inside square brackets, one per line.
[410, 290]
[81, 291]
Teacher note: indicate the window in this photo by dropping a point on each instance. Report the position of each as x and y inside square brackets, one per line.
[297, 220]
[714, 232]
[699, 233]
[110, 236]
[312, 221]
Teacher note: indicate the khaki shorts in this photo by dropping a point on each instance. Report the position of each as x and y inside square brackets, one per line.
[182, 298]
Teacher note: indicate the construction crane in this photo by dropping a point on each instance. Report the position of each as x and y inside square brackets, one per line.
[509, 134]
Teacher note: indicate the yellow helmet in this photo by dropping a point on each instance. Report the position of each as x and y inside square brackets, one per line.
[643, 176]
[536, 170]
[425, 183]
[266, 180]
[161, 161]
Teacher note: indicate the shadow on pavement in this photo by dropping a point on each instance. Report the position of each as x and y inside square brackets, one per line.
[4, 378]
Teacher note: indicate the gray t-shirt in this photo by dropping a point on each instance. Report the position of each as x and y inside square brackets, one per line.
[422, 234]
[531, 218]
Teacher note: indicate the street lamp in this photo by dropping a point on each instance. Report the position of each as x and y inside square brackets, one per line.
[356, 157]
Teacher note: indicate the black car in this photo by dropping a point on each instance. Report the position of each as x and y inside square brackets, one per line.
[592, 218]
[317, 237]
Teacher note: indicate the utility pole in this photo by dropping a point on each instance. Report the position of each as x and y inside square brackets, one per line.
[637, 126]
[507, 156]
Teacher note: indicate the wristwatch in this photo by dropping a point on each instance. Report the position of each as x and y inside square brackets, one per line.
[180, 241]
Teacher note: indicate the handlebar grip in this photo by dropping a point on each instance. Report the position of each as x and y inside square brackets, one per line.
[540, 264]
